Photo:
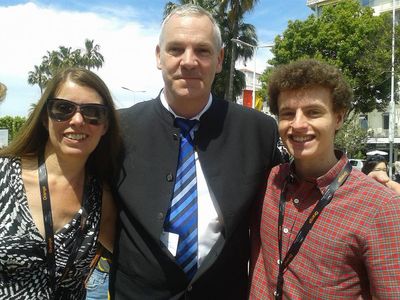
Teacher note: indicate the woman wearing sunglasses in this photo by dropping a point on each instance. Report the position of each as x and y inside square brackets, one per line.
[54, 187]
[376, 167]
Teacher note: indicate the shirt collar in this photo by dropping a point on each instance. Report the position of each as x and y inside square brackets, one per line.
[325, 180]
[196, 117]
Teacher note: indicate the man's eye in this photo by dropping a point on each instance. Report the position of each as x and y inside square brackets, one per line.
[314, 113]
[174, 50]
[285, 114]
[204, 51]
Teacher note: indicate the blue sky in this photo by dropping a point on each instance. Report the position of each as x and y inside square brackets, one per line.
[127, 32]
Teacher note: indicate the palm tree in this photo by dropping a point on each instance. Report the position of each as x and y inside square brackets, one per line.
[64, 57]
[92, 58]
[246, 33]
[235, 10]
[52, 62]
[39, 77]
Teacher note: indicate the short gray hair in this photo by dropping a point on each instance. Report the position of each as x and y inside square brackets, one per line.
[193, 10]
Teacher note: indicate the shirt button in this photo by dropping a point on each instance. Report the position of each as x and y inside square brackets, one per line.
[160, 216]
[285, 230]
[296, 201]
[276, 294]
[175, 136]
[190, 288]
[170, 177]
[278, 261]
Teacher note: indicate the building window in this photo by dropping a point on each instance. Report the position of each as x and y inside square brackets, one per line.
[385, 120]
[364, 122]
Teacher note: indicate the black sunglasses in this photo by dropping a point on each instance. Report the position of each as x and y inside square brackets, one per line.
[62, 110]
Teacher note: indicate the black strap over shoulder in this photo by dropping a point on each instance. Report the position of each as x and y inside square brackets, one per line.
[48, 226]
[308, 224]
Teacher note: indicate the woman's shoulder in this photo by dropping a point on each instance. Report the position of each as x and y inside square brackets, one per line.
[7, 162]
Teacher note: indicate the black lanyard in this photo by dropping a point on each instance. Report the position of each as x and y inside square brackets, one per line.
[308, 224]
[48, 226]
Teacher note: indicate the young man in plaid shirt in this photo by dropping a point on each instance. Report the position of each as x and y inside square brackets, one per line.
[325, 230]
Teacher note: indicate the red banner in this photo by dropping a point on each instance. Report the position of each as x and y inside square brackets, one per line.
[247, 98]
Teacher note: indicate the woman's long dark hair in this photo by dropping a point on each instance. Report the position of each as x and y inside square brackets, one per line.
[33, 136]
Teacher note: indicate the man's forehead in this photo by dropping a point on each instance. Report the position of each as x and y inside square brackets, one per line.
[193, 36]
[308, 96]
[187, 20]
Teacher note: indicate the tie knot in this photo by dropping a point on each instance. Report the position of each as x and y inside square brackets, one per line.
[186, 125]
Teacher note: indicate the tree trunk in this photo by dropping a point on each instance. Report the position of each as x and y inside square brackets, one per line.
[229, 91]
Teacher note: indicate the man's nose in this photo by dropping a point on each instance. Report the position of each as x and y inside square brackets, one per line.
[189, 59]
[299, 120]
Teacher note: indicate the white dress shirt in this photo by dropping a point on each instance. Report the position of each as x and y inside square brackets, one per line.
[209, 223]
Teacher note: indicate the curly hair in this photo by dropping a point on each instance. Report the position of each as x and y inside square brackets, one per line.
[306, 73]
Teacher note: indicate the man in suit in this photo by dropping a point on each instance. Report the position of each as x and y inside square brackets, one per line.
[234, 149]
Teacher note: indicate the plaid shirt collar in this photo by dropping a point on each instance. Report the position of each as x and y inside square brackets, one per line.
[323, 181]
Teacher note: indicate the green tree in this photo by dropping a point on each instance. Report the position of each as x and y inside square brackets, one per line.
[92, 58]
[65, 57]
[13, 124]
[264, 83]
[231, 82]
[223, 13]
[349, 36]
[38, 76]
[351, 138]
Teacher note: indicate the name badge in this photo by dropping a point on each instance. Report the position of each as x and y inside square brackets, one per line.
[170, 240]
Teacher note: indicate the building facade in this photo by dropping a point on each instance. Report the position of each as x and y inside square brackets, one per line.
[246, 97]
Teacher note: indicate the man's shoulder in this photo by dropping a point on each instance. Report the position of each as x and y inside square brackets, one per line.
[138, 107]
[368, 190]
[245, 112]
[137, 111]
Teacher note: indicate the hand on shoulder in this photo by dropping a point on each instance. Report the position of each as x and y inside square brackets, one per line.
[384, 179]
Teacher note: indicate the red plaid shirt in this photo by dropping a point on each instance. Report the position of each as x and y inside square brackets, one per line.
[352, 252]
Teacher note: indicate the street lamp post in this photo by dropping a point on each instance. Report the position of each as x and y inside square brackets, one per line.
[255, 47]
[128, 89]
[391, 104]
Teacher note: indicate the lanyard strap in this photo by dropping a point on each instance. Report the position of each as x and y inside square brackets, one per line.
[48, 226]
[308, 224]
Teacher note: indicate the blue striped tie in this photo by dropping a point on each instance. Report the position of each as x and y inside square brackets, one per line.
[182, 215]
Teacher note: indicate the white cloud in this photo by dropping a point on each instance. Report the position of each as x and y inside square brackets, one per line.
[263, 55]
[29, 31]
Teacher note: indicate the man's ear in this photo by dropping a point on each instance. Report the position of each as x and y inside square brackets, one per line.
[158, 58]
[220, 60]
[340, 118]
